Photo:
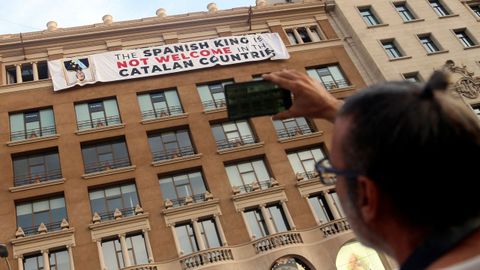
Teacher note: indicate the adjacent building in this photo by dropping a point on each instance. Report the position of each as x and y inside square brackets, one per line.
[149, 173]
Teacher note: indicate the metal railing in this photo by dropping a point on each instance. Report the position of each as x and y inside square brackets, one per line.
[214, 104]
[239, 141]
[277, 240]
[107, 165]
[205, 257]
[251, 187]
[336, 84]
[168, 111]
[32, 133]
[27, 179]
[33, 230]
[110, 215]
[335, 227]
[173, 153]
[98, 122]
[294, 131]
[181, 201]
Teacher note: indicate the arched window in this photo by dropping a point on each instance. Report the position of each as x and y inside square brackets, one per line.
[290, 263]
[355, 256]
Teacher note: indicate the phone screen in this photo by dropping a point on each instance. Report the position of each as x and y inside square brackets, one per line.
[255, 98]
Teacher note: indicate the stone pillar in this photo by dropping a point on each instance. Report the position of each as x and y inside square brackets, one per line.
[20, 262]
[18, 68]
[100, 255]
[313, 210]
[2, 72]
[175, 238]
[287, 215]
[331, 205]
[220, 230]
[46, 260]
[198, 234]
[252, 237]
[149, 246]
[35, 71]
[126, 256]
[268, 219]
[70, 256]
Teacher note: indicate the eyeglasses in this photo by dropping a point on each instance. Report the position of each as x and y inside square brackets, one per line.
[328, 174]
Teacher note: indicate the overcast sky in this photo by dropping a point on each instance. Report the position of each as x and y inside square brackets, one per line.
[32, 15]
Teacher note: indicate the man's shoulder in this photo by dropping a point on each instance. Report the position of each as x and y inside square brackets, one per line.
[471, 264]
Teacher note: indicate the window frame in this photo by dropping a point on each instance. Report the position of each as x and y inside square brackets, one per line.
[311, 31]
[416, 74]
[98, 122]
[467, 40]
[52, 225]
[309, 174]
[429, 43]
[237, 140]
[410, 17]
[169, 110]
[48, 174]
[196, 195]
[247, 186]
[168, 153]
[212, 103]
[334, 84]
[42, 131]
[439, 7]
[284, 132]
[369, 16]
[109, 213]
[394, 47]
[114, 163]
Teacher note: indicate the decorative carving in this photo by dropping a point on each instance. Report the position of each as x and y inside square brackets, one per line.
[117, 214]
[208, 196]
[235, 190]
[138, 210]
[299, 176]
[64, 225]
[168, 203]
[255, 186]
[467, 86]
[19, 233]
[188, 200]
[42, 228]
[96, 218]
[273, 182]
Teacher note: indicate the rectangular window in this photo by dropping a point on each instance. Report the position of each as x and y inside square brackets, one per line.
[213, 95]
[159, 104]
[439, 8]
[321, 208]
[404, 11]
[428, 43]
[291, 37]
[28, 72]
[209, 233]
[177, 187]
[36, 168]
[233, 134]
[256, 223]
[464, 38]
[476, 9]
[50, 212]
[330, 76]
[243, 175]
[368, 16]
[186, 238]
[278, 218]
[170, 144]
[136, 248]
[97, 114]
[59, 260]
[104, 201]
[32, 124]
[303, 162]
[292, 127]
[301, 35]
[391, 49]
[104, 156]
[412, 77]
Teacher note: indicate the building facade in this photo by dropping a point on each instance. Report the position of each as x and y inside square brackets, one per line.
[396, 40]
[149, 173]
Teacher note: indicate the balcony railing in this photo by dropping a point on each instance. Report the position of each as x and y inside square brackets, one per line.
[143, 267]
[336, 84]
[98, 122]
[27, 179]
[107, 165]
[168, 111]
[239, 141]
[206, 257]
[110, 215]
[214, 104]
[294, 131]
[307, 175]
[260, 185]
[335, 227]
[33, 230]
[32, 133]
[277, 240]
[184, 201]
[173, 153]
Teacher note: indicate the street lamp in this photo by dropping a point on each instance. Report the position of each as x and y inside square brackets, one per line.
[4, 254]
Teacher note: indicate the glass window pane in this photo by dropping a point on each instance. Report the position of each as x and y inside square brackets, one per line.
[145, 106]
[296, 164]
[198, 185]
[168, 189]
[278, 218]
[82, 112]
[172, 99]
[139, 248]
[204, 92]
[210, 234]
[40, 206]
[233, 176]
[17, 127]
[111, 109]
[261, 170]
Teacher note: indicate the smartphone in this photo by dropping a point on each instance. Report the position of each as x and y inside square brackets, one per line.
[255, 98]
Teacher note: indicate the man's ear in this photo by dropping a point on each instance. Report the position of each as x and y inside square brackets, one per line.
[368, 198]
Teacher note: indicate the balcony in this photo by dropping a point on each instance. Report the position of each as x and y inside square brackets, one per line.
[164, 112]
[173, 153]
[335, 227]
[172, 203]
[32, 133]
[42, 228]
[214, 104]
[294, 131]
[257, 185]
[338, 84]
[236, 142]
[206, 257]
[276, 241]
[28, 179]
[125, 212]
[102, 166]
[99, 122]
[306, 175]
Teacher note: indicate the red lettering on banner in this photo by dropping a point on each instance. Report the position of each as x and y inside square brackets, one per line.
[163, 59]
[227, 50]
[122, 64]
[175, 57]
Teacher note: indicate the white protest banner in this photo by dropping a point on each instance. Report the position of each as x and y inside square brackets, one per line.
[172, 58]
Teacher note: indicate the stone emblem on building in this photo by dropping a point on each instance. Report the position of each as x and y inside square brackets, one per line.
[465, 83]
